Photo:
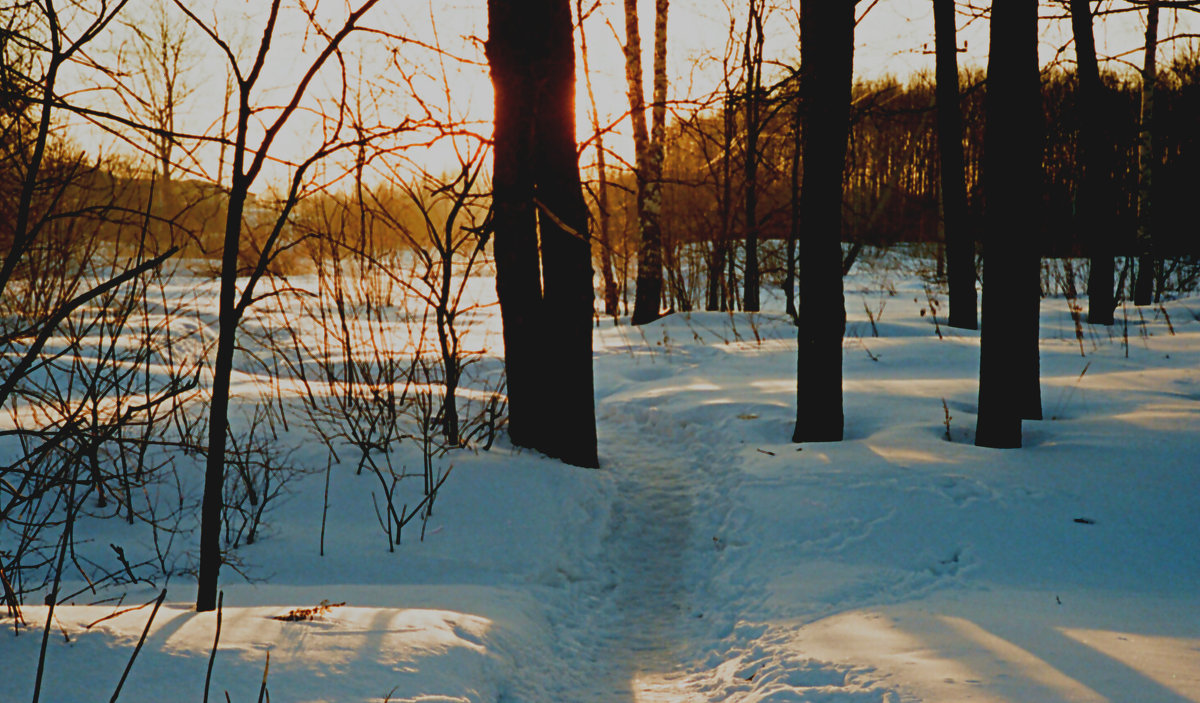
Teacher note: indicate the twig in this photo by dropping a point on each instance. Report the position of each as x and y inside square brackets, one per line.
[407, 517]
[117, 614]
[62, 555]
[946, 420]
[325, 502]
[138, 648]
[11, 603]
[51, 324]
[262, 691]
[212, 657]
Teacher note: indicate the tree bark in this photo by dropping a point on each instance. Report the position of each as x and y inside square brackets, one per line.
[960, 240]
[611, 298]
[569, 432]
[752, 58]
[1095, 170]
[537, 191]
[648, 295]
[1143, 290]
[1008, 366]
[720, 289]
[511, 56]
[789, 276]
[826, 65]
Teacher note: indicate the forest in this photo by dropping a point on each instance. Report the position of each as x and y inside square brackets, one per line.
[493, 351]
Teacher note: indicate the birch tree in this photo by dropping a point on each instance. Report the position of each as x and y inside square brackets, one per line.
[648, 147]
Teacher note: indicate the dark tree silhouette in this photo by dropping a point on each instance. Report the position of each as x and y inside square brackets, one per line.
[753, 65]
[960, 239]
[1143, 289]
[545, 296]
[1095, 161]
[248, 162]
[826, 73]
[1008, 367]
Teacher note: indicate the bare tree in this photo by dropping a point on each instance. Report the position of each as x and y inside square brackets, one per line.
[59, 48]
[247, 164]
[960, 240]
[1095, 160]
[1143, 290]
[648, 149]
[81, 370]
[826, 65]
[604, 216]
[752, 65]
[158, 89]
[537, 198]
[1008, 364]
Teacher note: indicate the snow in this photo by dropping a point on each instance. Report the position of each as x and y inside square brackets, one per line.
[710, 559]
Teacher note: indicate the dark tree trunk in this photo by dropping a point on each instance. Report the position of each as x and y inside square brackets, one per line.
[569, 432]
[960, 240]
[612, 301]
[511, 56]
[826, 64]
[1095, 169]
[1008, 366]
[753, 54]
[218, 413]
[1143, 289]
[719, 287]
[536, 188]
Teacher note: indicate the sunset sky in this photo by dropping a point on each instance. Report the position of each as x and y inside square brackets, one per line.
[894, 38]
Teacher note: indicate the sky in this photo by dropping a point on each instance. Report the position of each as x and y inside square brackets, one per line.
[893, 38]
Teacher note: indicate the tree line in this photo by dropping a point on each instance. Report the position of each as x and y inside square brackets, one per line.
[892, 178]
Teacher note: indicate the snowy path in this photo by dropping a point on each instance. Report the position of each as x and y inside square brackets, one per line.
[668, 612]
[632, 618]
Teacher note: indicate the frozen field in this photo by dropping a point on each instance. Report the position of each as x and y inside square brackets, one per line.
[712, 560]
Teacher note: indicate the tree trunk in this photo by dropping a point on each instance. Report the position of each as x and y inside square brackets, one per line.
[1095, 169]
[649, 284]
[719, 287]
[826, 65]
[511, 54]
[570, 430]
[1008, 366]
[1143, 289]
[536, 189]
[218, 413]
[789, 276]
[753, 66]
[611, 299]
[960, 240]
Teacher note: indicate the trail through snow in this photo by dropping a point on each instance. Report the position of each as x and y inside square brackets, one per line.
[626, 621]
[667, 613]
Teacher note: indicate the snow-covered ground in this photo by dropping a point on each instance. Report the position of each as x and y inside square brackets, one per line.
[710, 559]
